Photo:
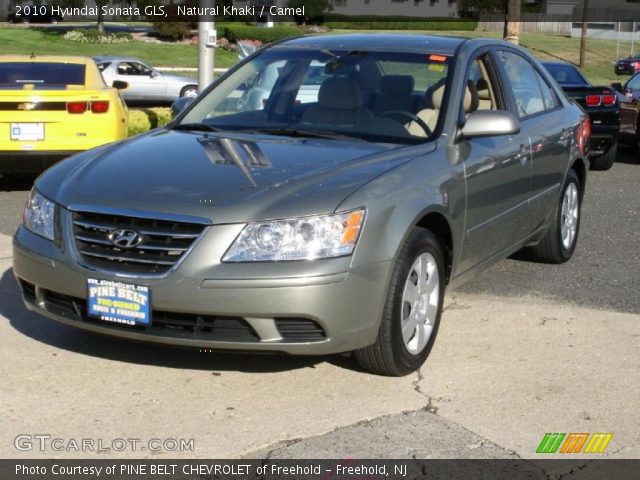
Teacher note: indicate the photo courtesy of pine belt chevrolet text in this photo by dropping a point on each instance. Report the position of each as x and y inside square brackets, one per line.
[316, 199]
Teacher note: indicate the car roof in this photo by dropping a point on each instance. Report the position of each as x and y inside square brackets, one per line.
[391, 42]
[46, 59]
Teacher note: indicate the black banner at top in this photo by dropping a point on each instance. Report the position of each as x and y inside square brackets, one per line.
[325, 11]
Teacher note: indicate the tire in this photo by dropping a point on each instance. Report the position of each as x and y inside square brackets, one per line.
[392, 354]
[189, 91]
[559, 242]
[605, 161]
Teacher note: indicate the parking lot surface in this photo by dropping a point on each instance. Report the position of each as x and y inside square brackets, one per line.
[524, 349]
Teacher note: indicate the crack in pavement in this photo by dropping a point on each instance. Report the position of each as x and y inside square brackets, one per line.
[429, 407]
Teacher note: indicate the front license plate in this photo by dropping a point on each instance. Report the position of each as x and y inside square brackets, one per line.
[119, 302]
[27, 132]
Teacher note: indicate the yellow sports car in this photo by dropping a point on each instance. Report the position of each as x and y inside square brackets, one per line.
[52, 107]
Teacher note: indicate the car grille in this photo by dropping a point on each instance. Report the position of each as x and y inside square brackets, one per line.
[163, 243]
[165, 324]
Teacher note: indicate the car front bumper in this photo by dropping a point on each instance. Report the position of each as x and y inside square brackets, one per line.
[304, 308]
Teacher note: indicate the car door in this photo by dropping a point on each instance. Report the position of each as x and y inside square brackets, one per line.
[542, 117]
[144, 83]
[498, 174]
[628, 100]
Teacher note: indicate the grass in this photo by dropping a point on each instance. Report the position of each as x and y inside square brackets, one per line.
[25, 41]
[600, 54]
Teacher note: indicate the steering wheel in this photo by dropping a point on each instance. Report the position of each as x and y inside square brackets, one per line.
[404, 113]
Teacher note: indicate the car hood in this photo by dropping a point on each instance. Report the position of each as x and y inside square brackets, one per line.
[225, 178]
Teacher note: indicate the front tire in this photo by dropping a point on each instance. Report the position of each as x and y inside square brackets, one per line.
[412, 310]
[559, 242]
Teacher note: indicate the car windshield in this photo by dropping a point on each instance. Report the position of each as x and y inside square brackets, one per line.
[41, 73]
[368, 95]
[566, 74]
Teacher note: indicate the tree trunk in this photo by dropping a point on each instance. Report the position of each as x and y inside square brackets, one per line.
[583, 35]
[513, 22]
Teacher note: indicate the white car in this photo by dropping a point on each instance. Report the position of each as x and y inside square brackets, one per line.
[145, 83]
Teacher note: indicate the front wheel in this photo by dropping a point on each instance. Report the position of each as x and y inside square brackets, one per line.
[412, 309]
[559, 242]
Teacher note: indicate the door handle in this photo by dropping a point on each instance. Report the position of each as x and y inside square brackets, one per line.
[523, 154]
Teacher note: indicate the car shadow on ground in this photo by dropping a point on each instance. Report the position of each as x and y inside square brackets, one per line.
[12, 183]
[628, 154]
[82, 342]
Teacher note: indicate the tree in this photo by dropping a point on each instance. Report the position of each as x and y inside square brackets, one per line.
[312, 8]
[100, 3]
[512, 21]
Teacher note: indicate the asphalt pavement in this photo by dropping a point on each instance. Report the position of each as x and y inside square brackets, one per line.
[523, 349]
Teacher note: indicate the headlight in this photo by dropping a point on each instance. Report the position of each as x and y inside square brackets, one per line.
[39, 215]
[307, 238]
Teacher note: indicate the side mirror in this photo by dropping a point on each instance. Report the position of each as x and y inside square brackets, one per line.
[120, 85]
[489, 123]
[617, 86]
[180, 104]
[154, 74]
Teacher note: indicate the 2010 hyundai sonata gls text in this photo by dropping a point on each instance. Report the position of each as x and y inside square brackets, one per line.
[327, 217]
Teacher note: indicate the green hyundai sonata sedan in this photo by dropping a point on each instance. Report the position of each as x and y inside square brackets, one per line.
[316, 199]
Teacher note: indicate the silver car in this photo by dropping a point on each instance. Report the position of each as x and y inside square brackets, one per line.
[314, 228]
[145, 84]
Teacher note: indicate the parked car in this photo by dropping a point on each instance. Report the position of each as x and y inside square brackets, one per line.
[314, 228]
[145, 83]
[33, 12]
[52, 107]
[601, 103]
[628, 95]
[628, 66]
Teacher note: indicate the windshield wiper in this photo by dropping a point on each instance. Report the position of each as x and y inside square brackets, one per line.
[297, 132]
[195, 127]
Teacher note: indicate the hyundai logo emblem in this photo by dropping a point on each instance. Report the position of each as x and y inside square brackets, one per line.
[124, 238]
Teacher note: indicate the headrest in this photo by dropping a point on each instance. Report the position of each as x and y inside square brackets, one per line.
[437, 96]
[483, 89]
[471, 100]
[340, 93]
[397, 84]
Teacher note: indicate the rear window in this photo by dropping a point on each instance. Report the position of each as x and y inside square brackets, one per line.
[566, 75]
[103, 66]
[17, 73]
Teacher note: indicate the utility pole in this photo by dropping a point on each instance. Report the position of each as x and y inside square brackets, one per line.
[512, 24]
[583, 35]
[206, 44]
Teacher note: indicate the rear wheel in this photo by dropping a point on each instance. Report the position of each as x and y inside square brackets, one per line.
[605, 161]
[559, 242]
[412, 309]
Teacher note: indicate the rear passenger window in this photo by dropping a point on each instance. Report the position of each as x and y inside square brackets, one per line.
[525, 83]
[550, 98]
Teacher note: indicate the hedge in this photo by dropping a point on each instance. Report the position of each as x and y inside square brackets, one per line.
[373, 22]
[234, 33]
[141, 120]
